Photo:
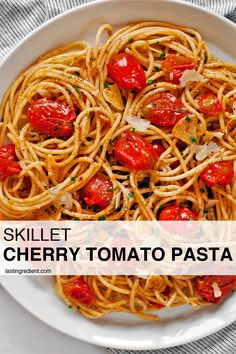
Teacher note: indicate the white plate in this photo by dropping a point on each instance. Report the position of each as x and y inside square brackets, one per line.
[178, 326]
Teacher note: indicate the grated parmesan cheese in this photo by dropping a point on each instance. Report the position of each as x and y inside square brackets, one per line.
[216, 289]
[205, 150]
[140, 124]
[65, 200]
[190, 75]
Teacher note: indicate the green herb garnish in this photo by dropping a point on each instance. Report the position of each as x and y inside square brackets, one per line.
[202, 190]
[76, 88]
[106, 84]
[188, 119]
[73, 179]
[205, 211]
[149, 81]
[156, 68]
[101, 218]
[162, 55]
[131, 195]
[193, 140]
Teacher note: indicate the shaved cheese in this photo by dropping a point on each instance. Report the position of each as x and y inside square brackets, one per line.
[65, 200]
[113, 95]
[123, 62]
[216, 289]
[185, 130]
[140, 124]
[205, 150]
[190, 75]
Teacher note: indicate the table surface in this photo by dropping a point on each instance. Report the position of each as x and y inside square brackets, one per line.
[22, 333]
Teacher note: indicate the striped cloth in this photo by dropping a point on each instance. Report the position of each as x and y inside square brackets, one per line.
[19, 17]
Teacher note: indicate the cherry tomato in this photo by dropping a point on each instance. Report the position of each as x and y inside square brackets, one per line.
[8, 168]
[155, 304]
[164, 110]
[158, 147]
[79, 290]
[52, 118]
[218, 173]
[134, 152]
[176, 213]
[98, 191]
[126, 71]
[7, 151]
[209, 104]
[175, 65]
[226, 284]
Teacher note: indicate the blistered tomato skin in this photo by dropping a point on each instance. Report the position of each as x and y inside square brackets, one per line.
[79, 290]
[98, 191]
[8, 167]
[175, 65]
[209, 104]
[7, 151]
[52, 118]
[158, 147]
[221, 173]
[225, 283]
[127, 72]
[176, 213]
[164, 110]
[134, 152]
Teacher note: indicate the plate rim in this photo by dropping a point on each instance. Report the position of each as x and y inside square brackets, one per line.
[179, 340]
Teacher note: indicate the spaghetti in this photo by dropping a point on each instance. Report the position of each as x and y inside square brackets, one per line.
[171, 71]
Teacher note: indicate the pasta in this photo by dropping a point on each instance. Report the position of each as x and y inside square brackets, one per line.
[54, 170]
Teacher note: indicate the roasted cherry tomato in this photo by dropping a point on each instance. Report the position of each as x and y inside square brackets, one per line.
[176, 213]
[79, 290]
[134, 152]
[52, 118]
[205, 287]
[158, 147]
[98, 191]
[8, 168]
[175, 65]
[7, 151]
[218, 173]
[126, 71]
[164, 110]
[209, 104]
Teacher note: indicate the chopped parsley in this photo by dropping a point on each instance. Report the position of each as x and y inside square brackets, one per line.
[131, 195]
[131, 40]
[162, 55]
[115, 188]
[76, 88]
[202, 190]
[101, 218]
[106, 84]
[73, 179]
[205, 211]
[190, 219]
[109, 190]
[128, 177]
[149, 81]
[188, 119]
[70, 306]
[161, 207]
[193, 140]
[76, 219]
[78, 307]
[156, 68]
[133, 130]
